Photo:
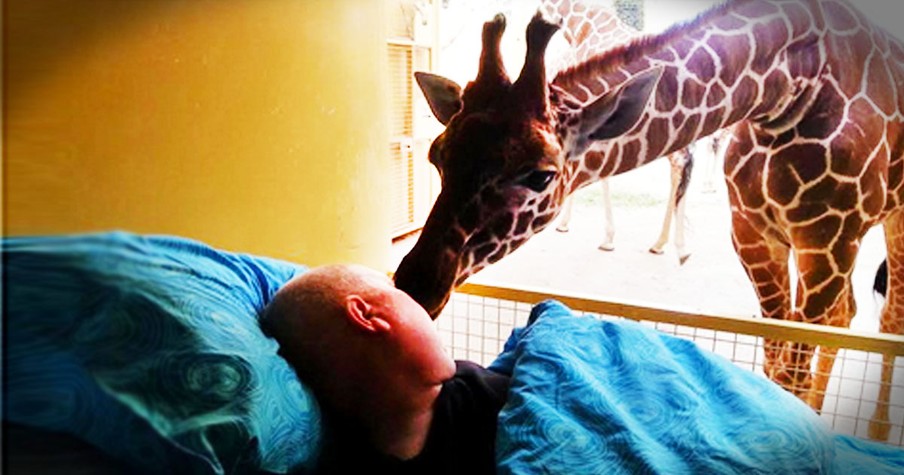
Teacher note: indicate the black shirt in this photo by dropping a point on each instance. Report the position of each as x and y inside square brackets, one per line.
[461, 439]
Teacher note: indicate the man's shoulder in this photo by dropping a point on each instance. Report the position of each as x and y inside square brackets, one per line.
[476, 384]
[463, 431]
[470, 367]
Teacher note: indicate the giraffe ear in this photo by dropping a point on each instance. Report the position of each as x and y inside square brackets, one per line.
[618, 111]
[443, 95]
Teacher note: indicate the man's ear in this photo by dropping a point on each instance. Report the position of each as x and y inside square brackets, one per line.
[619, 111]
[361, 314]
[443, 95]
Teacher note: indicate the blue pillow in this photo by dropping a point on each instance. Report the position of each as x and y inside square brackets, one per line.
[149, 348]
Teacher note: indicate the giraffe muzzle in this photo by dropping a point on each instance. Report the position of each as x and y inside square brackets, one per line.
[428, 282]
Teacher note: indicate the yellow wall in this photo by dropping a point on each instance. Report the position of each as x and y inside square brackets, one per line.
[253, 125]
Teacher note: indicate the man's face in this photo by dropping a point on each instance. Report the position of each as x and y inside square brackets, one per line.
[417, 335]
[413, 332]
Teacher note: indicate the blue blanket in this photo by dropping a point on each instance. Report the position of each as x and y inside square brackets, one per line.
[606, 397]
[148, 348]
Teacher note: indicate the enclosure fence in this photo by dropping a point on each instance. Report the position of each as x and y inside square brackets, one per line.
[479, 318]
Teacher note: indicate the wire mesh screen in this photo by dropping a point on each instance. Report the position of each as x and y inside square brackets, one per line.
[475, 328]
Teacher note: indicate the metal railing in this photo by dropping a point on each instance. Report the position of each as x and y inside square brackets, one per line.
[480, 317]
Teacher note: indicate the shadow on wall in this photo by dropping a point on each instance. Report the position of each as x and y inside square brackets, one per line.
[42, 26]
[255, 126]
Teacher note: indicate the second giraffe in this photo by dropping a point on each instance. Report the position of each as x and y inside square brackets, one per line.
[591, 30]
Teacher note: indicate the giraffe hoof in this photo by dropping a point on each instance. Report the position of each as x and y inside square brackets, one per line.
[878, 430]
[606, 247]
[562, 229]
[683, 259]
[656, 251]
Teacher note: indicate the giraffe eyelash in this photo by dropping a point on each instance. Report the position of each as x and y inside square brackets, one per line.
[537, 180]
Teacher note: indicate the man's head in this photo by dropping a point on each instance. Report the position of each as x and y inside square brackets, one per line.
[347, 328]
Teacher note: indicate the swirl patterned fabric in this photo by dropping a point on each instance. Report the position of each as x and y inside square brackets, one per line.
[148, 348]
[610, 397]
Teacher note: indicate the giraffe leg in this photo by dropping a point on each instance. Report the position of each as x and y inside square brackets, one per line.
[709, 184]
[685, 166]
[670, 209]
[879, 427]
[825, 361]
[766, 263]
[680, 223]
[892, 320]
[608, 243]
[562, 227]
[791, 367]
[824, 296]
[681, 163]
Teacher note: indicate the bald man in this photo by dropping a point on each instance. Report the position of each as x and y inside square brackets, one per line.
[393, 400]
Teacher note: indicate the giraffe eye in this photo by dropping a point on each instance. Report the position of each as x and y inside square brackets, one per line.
[538, 180]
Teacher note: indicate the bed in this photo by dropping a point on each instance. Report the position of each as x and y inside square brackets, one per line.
[129, 353]
[148, 349]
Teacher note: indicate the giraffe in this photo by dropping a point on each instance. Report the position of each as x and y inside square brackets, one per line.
[717, 141]
[589, 30]
[816, 156]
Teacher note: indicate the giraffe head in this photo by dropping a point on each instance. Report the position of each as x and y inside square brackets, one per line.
[501, 162]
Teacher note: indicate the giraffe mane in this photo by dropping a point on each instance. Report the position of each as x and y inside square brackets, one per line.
[615, 57]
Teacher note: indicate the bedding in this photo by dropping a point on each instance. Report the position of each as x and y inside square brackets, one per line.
[593, 396]
[148, 348]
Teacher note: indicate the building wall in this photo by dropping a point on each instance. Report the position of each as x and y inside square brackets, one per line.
[253, 125]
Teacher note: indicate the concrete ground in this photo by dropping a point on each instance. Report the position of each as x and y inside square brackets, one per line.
[712, 281]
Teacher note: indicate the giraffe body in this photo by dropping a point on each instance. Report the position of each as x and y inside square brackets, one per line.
[810, 90]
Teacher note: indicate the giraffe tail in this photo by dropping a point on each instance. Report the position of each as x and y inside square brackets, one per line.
[880, 283]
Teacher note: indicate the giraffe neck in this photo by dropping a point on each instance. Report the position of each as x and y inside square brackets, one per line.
[735, 62]
[588, 29]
